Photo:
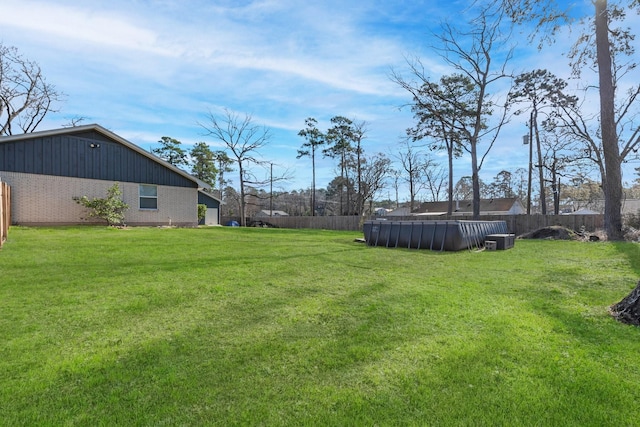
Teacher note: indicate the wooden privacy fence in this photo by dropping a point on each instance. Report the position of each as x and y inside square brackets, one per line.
[5, 211]
[517, 224]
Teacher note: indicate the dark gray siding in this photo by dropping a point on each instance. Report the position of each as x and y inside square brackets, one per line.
[205, 199]
[74, 156]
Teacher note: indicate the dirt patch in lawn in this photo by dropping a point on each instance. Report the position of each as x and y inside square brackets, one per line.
[554, 232]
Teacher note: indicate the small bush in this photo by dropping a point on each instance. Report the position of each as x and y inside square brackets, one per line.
[111, 209]
[202, 212]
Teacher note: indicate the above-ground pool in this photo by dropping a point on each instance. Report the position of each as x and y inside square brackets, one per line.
[448, 235]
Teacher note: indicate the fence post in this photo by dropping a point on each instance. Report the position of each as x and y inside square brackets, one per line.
[5, 211]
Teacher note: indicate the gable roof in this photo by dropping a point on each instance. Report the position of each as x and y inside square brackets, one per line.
[466, 206]
[80, 130]
[207, 195]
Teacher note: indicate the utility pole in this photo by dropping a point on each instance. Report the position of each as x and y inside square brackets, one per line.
[528, 140]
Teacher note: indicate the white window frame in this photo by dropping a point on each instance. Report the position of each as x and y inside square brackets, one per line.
[145, 192]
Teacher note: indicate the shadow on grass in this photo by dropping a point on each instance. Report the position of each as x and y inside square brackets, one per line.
[262, 365]
[346, 360]
[631, 251]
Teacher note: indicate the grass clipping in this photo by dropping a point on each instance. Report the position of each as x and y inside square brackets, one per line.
[628, 310]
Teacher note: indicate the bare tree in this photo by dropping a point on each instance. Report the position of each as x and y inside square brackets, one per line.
[410, 169]
[435, 179]
[580, 191]
[472, 53]
[463, 190]
[520, 182]
[25, 96]
[395, 176]
[268, 179]
[563, 158]
[372, 175]
[475, 60]
[244, 140]
[502, 185]
[74, 121]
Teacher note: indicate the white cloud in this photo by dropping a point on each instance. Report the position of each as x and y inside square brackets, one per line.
[79, 24]
[312, 43]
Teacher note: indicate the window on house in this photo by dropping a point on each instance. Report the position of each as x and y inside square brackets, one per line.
[148, 196]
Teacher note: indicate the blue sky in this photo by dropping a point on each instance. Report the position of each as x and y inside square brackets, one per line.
[147, 69]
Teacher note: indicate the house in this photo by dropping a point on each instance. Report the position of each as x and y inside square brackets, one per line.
[588, 207]
[266, 213]
[381, 211]
[495, 206]
[47, 169]
[583, 211]
[400, 211]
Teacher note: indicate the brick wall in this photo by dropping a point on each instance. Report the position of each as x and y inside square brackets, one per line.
[48, 200]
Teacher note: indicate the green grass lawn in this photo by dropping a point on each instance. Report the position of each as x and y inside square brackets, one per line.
[232, 326]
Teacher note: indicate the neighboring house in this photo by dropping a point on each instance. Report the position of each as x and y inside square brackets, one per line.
[381, 211]
[267, 213]
[47, 169]
[497, 206]
[629, 206]
[401, 211]
[583, 211]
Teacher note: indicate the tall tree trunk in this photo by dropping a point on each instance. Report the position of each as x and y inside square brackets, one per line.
[540, 165]
[313, 181]
[243, 219]
[360, 194]
[341, 186]
[612, 181]
[475, 178]
[475, 171]
[412, 193]
[530, 164]
[450, 189]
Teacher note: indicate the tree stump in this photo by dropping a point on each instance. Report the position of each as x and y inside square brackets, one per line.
[628, 310]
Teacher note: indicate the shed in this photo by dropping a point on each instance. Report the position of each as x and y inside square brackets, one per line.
[47, 169]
